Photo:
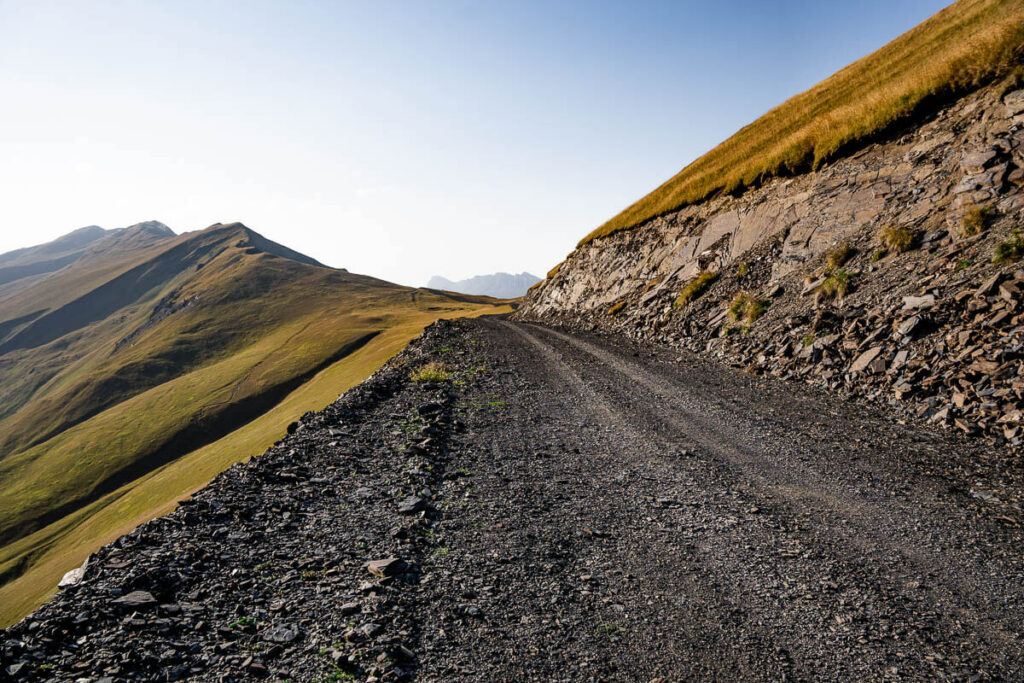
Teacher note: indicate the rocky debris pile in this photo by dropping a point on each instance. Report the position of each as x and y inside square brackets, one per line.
[301, 564]
[952, 354]
[935, 332]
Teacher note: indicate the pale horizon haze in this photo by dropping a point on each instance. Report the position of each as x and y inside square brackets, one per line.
[396, 139]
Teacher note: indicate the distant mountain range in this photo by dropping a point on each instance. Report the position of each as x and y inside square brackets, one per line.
[498, 285]
[136, 364]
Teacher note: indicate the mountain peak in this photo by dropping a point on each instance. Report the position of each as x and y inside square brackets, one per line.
[499, 285]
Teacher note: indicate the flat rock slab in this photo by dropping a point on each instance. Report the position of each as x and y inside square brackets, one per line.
[412, 505]
[391, 566]
[136, 600]
[281, 634]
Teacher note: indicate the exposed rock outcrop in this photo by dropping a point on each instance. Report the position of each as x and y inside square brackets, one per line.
[935, 330]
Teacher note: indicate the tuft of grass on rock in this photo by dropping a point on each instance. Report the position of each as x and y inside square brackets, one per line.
[879, 255]
[431, 372]
[695, 287]
[975, 220]
[839, 256]
[616, 307]
[742, 269]
[1011, 249]
[745, 308]
[897, 240]
[836, 285]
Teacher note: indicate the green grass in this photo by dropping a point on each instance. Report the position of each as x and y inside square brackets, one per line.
[694, 288]
[839, 256]
[431, 372]
[1009, 250]
[746, 309]
[960, 48]
[837, 284]
[291, 348]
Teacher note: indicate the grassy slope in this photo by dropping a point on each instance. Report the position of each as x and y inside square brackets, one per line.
[89, 425]
[961, 47]
[65, 544]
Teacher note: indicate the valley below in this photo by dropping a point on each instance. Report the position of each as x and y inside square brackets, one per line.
[511, 501]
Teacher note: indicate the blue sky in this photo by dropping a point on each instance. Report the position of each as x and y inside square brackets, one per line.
[397, 139]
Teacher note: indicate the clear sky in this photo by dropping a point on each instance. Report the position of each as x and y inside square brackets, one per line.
[396, 139]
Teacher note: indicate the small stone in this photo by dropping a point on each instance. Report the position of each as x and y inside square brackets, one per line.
[370, 629]
[281, 634]
[914, 302]
[430, 409]
[136, 600]
[401, 653]
[412, 505]
[1014, 102]
[391, 566]
[72, 578]
[976, 162]
[907, 327]
[864, 359]
[350, 608]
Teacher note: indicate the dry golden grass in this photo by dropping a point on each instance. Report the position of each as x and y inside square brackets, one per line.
[695, 287]
[64, 544]
[896, 240]
[976, 219]
[960, 48]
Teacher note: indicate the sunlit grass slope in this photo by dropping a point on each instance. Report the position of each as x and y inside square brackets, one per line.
[963, 46]
[163, 365]
[46, 554]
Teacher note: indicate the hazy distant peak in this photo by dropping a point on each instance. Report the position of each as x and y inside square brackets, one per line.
[498, 285]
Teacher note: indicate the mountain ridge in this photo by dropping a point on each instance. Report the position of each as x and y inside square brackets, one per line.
[181, 342]
[500, 285]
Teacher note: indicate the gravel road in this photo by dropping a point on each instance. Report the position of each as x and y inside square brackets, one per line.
[564, 508]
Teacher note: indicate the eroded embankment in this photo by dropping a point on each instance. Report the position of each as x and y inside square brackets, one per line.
[873, 277]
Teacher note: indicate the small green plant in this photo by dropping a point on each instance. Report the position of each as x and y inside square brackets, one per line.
[976, 219]
[964, 263]
[839, 256]
[896, 239]
[807, 340]
[695, 287]
[616, 307]
[610, 631]
[243, 623]
[742, 269]
[1011, 249]
[746, 308]
[836, 285]
[878, 255]
[431, 372]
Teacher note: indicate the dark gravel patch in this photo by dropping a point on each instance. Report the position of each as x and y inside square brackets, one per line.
[562, 508]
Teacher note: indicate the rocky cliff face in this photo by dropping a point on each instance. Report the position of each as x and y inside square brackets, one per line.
[816, 294]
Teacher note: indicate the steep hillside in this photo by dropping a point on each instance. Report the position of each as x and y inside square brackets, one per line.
[965, 45]
[498, 285]
[889, 273]
[149, 347]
